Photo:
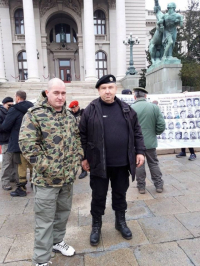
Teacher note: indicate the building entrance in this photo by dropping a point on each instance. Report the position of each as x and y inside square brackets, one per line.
[65, 70]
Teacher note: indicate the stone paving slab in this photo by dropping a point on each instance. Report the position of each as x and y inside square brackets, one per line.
[192, 249]
[19, 263]
[168, 191]
[163, 229]
[123, 257]
[22, 248]
[191, 202]
[172, 206]
[61, 260]
[191, 221]
[133, 195]
[188, 188]
[167, 254]
[18, 225]
[112, 238]
[184, 177]
[14, 207]
[138, 210]
[29, 207]
[6, 243]
[2, 219]
[79, 238]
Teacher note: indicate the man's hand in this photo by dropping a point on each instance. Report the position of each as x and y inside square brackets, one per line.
[85, 165]
[139, 160]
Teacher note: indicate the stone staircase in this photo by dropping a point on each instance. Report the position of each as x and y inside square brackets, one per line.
[84, 92]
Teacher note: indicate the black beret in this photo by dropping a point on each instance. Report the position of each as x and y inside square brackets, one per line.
[7, 100]
[140, 89]
[105, 79]
[126, 91]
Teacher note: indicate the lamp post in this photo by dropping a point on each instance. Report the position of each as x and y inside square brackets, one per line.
[62, 37]
[131, 41]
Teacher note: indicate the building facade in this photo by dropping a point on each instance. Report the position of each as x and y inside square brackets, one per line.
[75, 40]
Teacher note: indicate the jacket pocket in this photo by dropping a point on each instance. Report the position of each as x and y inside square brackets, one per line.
[93, 155]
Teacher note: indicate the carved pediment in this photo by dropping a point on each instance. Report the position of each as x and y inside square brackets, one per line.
[75, 5]
[46, 5]
[4, 3]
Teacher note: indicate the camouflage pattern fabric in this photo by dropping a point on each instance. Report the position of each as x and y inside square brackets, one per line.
[50, 141]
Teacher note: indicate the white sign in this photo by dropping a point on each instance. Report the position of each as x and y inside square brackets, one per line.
[181, 112]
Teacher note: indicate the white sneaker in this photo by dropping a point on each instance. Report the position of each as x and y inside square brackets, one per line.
[63, 248]
[43, 264]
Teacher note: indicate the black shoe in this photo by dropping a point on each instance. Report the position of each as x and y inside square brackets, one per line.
[96, 231]
[120, 225]
[83, 174]
[181, 154]
[19, 192]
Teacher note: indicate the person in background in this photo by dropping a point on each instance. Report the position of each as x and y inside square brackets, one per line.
[127, 92]
[182, 154]
[77, 112]
[8, 169]
[152, 123]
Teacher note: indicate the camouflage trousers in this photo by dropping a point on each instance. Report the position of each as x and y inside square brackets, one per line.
[52, 208]
[156, 175]
[22, 171]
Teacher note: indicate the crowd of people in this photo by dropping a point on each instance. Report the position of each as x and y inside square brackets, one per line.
[109, 138]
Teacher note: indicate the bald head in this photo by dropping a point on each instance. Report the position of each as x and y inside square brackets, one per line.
[56, 93]
[55, 82]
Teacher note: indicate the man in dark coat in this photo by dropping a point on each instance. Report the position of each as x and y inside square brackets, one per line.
[8, 172]
[12, 124]
[77, 112]
[113, 146]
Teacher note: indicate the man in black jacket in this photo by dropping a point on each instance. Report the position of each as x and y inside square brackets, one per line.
[8, 172]
[12, 124]
[113, 145]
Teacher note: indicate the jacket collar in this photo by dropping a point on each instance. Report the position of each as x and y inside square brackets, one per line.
[140, 100]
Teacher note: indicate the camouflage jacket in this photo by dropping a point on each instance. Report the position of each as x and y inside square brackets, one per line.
[50, 141]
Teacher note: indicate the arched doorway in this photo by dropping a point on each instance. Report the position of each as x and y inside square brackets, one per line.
[62, 47]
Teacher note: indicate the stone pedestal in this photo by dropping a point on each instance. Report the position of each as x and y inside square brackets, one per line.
[130, 81]
[164, 79]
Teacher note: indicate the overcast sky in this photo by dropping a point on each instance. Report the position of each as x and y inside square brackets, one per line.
[181, 4]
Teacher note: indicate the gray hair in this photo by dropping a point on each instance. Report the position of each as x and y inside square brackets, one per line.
[139, 94]
[55, 82]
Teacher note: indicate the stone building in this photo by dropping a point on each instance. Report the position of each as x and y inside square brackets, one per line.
[75, 40]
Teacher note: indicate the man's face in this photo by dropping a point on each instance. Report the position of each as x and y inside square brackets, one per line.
[184, 125]
[189, 112]
[196, 102]
[8, 105]
[178, 136]
[75, 109]
[56, 96]
[198, 124]
[163, 135]
[185, 135]
[189, 102]
[107, 92]
[178, 126]
[181, 103]
[191, 125]
[171, 126]
[170, 135]
[175, 103]
[198, 114]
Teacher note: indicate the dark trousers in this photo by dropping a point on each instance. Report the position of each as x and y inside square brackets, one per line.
[190, 149]
[119, 178]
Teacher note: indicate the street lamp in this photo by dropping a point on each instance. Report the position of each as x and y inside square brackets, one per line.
[131, 41]
[62, 37]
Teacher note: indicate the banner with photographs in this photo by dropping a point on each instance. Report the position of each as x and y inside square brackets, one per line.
[181, 112]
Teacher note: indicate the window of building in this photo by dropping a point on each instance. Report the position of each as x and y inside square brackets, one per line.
[99, 22]
[101, 64]
[22, 64]
[19, 21]
[74, 36]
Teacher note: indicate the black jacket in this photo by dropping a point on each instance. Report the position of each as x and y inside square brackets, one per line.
[12, 123]
[92, 137]
[4, 136]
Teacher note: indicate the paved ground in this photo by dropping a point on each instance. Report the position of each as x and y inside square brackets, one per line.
[165, 227]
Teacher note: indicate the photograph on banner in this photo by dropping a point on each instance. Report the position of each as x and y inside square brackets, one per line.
[181, 112]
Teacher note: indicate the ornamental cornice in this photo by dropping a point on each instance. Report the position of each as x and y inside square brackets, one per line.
[4, 3]
[112, 4]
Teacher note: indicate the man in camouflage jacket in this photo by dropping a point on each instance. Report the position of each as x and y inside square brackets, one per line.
[49, 140]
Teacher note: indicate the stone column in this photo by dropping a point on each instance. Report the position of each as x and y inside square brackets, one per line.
[2, 70]
[89, 42]
[30, 37]
[121, 36]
